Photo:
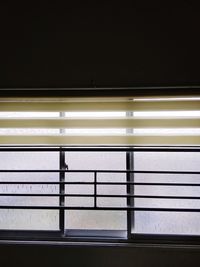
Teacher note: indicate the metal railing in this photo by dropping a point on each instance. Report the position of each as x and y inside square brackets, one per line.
[95, 184]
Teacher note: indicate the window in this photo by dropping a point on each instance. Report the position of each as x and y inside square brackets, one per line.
[112, 169]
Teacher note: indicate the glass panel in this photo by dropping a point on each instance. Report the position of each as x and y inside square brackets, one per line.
[166, 222]
[93, 219]
[29, 219]
[96, 220]
[112, 190]
[167, 161]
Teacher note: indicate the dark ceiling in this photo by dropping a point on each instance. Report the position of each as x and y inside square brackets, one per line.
[101, 45]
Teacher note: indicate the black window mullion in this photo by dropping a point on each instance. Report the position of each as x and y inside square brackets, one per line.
[62, 166]
[130, 190]
[62, 192]
[130, 179]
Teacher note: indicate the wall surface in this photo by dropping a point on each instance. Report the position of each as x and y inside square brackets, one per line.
[106, 44]
[86, 256]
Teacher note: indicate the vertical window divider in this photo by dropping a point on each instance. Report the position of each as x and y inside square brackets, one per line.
[62, 166]
[62, 192]
[95, 189]
[130, 188]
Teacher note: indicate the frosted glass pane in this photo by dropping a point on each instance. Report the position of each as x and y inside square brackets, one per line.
[96, 160]
[104, 220]
[29, 160]
[111, 190]
[96, 220]
[167, 222]
[29, 219]
[187, 161]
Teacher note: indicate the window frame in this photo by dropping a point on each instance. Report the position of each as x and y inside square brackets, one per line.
[93, 236]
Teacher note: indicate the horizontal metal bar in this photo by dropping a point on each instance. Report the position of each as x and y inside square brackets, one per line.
[33, 195]
[100, 171]
[99, 208]
[167, 184]
[102, 183]
[99, 196]
[29, 234]
[164, 197]
[30, 183]
[46, 148]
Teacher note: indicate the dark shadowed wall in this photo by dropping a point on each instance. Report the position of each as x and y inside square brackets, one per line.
[86, 44]
[93, 256]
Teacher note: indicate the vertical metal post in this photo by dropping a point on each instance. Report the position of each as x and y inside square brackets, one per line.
[62, 166]
[130, 188]
[62, 192]
[95, 189]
